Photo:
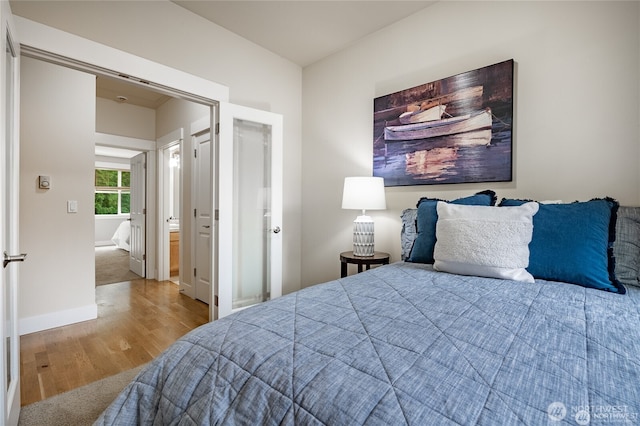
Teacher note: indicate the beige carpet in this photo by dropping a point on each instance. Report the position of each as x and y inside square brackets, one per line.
[112, 266]
[78, 407]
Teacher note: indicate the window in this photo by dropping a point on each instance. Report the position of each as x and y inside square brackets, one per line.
[112, 193]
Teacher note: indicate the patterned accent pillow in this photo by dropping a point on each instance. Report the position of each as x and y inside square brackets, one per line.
[626, 248]
[408, 232]
[484, 241]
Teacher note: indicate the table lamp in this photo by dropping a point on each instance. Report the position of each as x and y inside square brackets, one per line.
[363, 193]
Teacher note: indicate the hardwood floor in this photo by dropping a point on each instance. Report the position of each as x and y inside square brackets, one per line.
[136, 321]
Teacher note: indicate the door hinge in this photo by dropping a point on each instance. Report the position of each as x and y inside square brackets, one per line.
[215, 300]
[195, 153]
[144, 257]
[194, 272]
[194, 213]
[217, 128]
[144, 211]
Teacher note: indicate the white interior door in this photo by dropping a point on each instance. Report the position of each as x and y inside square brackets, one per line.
[138, 211]
[250, 204]
[9, 199]
[204, 224]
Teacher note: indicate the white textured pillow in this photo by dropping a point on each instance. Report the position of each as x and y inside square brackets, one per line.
[484, 241]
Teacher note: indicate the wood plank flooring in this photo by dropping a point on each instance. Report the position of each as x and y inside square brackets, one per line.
[137, 320]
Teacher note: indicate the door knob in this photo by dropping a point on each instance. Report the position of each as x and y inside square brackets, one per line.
[13, 258]
[276, 230]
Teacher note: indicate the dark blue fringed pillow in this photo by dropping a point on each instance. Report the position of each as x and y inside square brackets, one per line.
[573, 243]
[423, 245]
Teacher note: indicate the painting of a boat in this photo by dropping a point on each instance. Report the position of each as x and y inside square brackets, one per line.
[454, 130]
[447, 126]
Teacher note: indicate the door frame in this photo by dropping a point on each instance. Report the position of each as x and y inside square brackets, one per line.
[163, 143]
[56, 46]
[148, 146]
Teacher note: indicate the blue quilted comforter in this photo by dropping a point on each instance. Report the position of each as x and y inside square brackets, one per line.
[402, 344]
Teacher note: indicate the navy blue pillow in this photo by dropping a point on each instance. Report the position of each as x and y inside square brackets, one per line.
[422, 250]
[573, 243]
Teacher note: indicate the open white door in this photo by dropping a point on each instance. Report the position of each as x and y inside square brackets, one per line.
[250, 204]
[9, 199]
[203, 212]
[138, 206]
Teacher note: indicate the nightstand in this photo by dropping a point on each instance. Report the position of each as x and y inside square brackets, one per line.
[378, 258]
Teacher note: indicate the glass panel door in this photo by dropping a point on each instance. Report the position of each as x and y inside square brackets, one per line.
[250, 205]
[251, 281]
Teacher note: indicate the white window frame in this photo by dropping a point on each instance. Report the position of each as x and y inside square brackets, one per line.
[113, 190]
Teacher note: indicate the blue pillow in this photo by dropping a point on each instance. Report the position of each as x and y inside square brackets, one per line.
[423, 245]
[573, 243]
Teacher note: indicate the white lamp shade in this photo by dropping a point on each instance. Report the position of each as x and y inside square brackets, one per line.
[363, 193]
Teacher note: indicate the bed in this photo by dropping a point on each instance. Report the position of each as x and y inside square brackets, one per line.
[411, 343]
[121, 238]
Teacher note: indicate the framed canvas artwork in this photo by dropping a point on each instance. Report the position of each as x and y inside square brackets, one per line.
[454, 130]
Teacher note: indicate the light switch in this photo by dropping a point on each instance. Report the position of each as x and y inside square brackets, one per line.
[72, 206]
[44, 182]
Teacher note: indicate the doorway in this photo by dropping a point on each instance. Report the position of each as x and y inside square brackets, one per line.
[113, 201]
[104, 61]
[170, 205]
[174, 206]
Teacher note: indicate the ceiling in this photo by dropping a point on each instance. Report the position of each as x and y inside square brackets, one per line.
[121, 91]
[302, 31]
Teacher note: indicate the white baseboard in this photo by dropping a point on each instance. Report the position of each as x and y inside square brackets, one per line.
[57, 319]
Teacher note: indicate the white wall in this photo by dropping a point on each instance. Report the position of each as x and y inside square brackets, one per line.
[576, 132]
[163, 32]
[133, 121]
[57, 131]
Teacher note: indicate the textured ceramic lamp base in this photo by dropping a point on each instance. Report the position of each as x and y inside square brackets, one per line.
[363, 236]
